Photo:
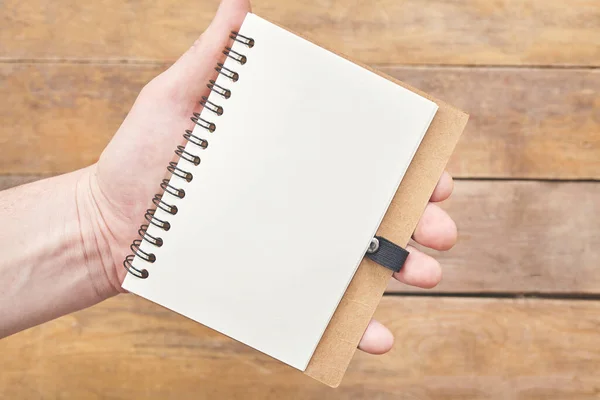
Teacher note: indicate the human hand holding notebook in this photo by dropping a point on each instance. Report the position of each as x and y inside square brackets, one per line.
[301, 152]
[268, 235]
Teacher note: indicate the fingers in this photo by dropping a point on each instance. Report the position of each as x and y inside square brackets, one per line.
[196, 66]
[420, 270]
[229, 16]
[444, 188]
[436, 229]
[377, 339]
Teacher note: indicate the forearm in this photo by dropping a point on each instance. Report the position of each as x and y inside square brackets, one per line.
[53, 262]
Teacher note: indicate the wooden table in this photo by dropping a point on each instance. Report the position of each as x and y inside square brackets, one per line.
[518, 312]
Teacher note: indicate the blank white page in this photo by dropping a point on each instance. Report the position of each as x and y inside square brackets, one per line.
[295, 181]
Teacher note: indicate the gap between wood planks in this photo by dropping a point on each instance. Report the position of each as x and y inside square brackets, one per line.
[26, 178]
[500, 295]
[126, 61]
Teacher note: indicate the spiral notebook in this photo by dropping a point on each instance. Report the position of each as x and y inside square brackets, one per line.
[280, 187]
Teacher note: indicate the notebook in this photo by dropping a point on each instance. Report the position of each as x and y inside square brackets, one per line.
[280, 187]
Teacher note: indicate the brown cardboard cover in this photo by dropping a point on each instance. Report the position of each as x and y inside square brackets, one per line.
[340, 340]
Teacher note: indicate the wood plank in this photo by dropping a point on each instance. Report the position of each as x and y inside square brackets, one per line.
[534, 32]
[522, 237]
[515, 237]
[58, 118]
[8, 181]
[446, 348]
[525, 123]
[535, 123]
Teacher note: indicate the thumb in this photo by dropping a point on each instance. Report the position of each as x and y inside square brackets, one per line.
[197, 65]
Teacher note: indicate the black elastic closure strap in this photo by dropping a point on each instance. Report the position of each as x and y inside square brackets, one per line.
[387, 254]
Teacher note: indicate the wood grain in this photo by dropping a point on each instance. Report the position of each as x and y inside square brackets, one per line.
[534, 123]
[474, 32]
[58, 118]
[446, 348]
[524, 123]
[515, 237]
[90, 59]
[522, 237]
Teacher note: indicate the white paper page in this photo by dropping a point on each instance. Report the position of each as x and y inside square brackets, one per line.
[296, 178]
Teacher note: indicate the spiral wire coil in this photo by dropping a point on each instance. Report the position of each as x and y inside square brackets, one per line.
[193, 159]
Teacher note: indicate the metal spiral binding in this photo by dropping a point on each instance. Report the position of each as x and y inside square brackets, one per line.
[226, 93]
[169, 190]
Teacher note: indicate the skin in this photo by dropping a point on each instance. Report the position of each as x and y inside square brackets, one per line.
[64, 239]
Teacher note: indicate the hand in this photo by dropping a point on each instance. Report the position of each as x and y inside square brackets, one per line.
[126, 177]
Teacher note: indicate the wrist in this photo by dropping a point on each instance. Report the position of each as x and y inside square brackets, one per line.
[56, 258]
[102, 240]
